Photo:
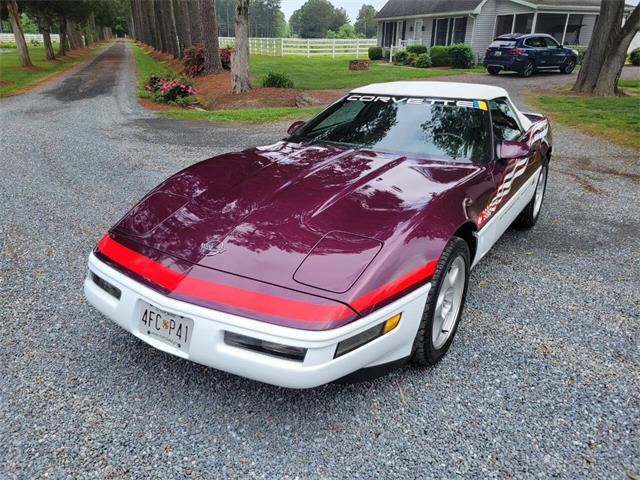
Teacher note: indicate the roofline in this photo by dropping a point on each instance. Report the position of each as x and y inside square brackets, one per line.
[538, 8]
[428, 15]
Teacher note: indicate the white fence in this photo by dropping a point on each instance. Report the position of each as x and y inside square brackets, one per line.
[306, 47]
[8, 37]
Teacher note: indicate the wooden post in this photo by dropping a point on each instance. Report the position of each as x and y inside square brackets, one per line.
[357, 47]
[308, 48]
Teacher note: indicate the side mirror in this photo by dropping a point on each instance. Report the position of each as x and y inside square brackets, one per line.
[510, 149]
[295, 126]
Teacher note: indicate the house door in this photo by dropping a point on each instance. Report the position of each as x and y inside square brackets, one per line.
[399, 32]
[417, 31]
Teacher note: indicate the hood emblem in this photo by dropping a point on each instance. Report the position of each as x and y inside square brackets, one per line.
[213, 247]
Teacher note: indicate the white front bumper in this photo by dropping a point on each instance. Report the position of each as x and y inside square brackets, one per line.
[208, 346]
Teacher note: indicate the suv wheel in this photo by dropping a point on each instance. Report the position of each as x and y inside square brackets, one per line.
[444, 304]
[528, 69]
[493, 70]
[568, 65]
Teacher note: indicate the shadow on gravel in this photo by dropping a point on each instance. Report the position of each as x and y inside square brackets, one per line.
[99, 77]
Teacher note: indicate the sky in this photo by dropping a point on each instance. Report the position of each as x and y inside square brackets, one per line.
[351, 6]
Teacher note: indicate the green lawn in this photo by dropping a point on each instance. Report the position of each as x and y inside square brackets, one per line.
[13, 77]
[249, 115]
[615, 118]
[325, 72]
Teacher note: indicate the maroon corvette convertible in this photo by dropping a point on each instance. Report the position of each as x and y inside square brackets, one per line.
[339, 252]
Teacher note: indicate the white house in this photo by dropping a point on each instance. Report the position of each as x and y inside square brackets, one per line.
[478, 22]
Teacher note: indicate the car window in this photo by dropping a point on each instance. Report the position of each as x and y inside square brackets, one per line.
[550, 42]
[502, 43]
[535, 42]
[438, 129]
[505, 123]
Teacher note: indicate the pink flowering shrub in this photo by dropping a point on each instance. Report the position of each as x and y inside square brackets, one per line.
[169, 90]
[193, 60]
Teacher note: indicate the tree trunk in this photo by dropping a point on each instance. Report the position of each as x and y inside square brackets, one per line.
[21, 44]
[181, 11]
[72, 33]
[210, 46]
[240, 56]
[172, 30]
[195, 17]
[62, 50]
[45, 29]
[607, 49]
[160, 33]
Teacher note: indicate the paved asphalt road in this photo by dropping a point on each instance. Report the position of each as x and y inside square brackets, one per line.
[543, 379]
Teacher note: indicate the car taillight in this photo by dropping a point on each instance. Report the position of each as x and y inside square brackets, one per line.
[517, 51]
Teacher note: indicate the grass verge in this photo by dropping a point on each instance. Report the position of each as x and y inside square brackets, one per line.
[614, 118]
[326, 72]
[145, 66]
[247, 115]
[13, 77]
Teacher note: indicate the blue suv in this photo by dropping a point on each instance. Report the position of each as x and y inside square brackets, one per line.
[527, 53]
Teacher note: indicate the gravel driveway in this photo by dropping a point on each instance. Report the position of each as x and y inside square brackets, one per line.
[543, 379]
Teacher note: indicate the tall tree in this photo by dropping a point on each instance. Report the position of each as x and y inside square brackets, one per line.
[315, 17]
[210, 46]
[62, 49]
[21, 44]
[183, 23]
[45, 29]
[240, 57]
[195, 17]
[607, 49]
[366, 23]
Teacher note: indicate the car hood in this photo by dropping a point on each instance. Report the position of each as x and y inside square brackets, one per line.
[311, 218]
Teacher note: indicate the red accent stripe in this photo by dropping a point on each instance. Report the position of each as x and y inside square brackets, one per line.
[247, 299]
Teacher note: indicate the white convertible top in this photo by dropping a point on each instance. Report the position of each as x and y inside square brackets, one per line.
[462, 91]
[454, 90]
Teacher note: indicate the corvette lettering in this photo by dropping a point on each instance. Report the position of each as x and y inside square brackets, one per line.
[479, 104]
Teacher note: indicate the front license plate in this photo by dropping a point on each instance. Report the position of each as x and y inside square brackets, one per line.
[171, 329]
[497, 54]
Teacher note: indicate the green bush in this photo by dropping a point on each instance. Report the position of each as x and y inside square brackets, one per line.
[417, 49]
[169, 89]
[581, 52]
[411, 57]
[461, 56]
[634, 57]
[277, 80]
[8, 45]
[386, 53]
[422, 61]
[400, 57]
[440, 56]
[375, 53]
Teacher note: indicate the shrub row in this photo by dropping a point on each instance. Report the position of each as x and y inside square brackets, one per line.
[458, 55]
[634, 57]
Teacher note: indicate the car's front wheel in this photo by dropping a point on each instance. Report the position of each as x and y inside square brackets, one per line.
[568, 65]
[493, 70]
[444, 305]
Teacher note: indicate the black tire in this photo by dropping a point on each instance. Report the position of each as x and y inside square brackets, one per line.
[527, 69]
[568, 66]
[424, 352]
[529, 217]
[493, 70]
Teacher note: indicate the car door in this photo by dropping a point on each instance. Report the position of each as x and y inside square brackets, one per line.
[556, 52]
[538, 49]
[513, 178]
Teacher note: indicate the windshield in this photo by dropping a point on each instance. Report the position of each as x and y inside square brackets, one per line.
[456, 130]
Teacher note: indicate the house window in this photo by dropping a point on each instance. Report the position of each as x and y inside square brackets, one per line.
[523, 24]
[574, 26]
[459, 30]
[520, 23]
[503, 24]
[551, 24]
[441, 31]
[446, 31]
